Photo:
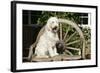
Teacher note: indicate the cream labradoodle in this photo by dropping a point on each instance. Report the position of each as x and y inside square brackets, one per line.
[46, 45]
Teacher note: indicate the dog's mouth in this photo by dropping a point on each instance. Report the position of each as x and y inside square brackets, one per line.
[55, 29]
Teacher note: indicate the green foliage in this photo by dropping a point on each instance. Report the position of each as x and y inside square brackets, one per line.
[66, 15]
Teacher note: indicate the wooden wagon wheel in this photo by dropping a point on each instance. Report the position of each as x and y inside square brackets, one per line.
[81, 51]
[66, 38]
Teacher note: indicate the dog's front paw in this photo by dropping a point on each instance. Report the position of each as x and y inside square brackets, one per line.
[52, 55]
[56, 54]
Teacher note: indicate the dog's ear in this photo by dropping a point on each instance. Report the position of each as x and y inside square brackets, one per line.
[47, 27]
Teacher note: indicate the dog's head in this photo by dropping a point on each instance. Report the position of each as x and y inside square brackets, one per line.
[53, 24]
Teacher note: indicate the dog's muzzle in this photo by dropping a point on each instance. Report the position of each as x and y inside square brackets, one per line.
[55, 29]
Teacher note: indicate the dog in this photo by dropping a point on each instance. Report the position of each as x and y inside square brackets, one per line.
[46, 46]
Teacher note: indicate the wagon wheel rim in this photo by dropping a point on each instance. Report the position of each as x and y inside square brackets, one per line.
[81, 51]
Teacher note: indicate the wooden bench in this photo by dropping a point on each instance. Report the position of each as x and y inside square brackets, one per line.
[56, 58]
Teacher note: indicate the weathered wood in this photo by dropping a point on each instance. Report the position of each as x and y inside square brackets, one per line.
[67, 51]
[70, 37]
[72, 48]
[60, 31]
[73, 42]
[77, 49]
[74, 25]
[66, 33]
[56, 58]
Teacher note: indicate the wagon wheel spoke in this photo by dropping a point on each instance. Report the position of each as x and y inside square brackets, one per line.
[77, 49]
[73, 42]
[60, 31]
[70, 37]
[67, 51]
[72, 48]
[66, 33]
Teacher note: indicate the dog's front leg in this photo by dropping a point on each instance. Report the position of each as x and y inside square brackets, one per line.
[55, 51]
[51, 52]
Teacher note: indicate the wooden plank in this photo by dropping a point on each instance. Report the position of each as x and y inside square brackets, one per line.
[56, 58]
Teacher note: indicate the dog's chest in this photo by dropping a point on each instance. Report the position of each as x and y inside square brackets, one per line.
[52, 37]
